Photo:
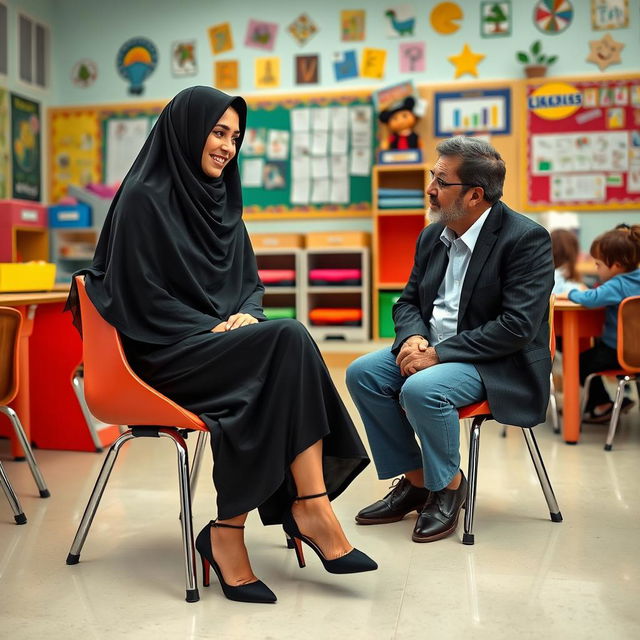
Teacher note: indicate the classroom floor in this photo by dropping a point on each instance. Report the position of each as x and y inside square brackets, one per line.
[526, 577]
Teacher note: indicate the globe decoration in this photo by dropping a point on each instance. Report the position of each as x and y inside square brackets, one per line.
[136, 60]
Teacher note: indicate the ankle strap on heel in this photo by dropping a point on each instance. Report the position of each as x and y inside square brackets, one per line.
[315, 495]
[215, 523]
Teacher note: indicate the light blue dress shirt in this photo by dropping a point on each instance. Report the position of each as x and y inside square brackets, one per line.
[444, 318]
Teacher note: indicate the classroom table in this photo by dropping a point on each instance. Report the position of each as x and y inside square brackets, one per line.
[50, 349]
[577, 325]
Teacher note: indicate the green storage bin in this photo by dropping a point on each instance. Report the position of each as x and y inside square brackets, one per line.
[386, 300]
[276, 313]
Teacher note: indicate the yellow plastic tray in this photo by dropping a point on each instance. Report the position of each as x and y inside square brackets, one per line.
[27, 276]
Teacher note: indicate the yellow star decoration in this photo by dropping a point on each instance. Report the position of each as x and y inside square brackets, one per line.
[605, 51]
[466, 61]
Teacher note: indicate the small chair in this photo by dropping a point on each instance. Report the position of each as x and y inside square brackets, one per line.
[10, 325]
[628, 357]
[480, 412]
[116, 395]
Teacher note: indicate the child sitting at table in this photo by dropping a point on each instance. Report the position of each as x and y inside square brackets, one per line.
[565, 249]
[616, 254]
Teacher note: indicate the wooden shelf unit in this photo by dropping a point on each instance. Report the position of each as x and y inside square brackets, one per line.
[395, 232]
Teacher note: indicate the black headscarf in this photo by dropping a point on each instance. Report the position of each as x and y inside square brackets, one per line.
[174, 258]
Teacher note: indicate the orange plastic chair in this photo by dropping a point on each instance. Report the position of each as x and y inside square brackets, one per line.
[479, 412]
[116, 395]
[628, 357]
[10, 325]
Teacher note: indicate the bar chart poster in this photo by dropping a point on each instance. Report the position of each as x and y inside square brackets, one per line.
[472, 112]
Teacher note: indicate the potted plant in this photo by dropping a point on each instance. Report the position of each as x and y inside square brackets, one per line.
[535, 62]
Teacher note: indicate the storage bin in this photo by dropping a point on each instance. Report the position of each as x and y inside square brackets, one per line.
[27, 276]
[335, 277]
[324, 239]
[386, 300]
[277, 240]
[22, 213]
[336, 316]
[70, 215]
[277, 277]
[276, 313]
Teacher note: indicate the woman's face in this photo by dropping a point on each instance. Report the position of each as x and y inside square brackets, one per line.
[220, 145]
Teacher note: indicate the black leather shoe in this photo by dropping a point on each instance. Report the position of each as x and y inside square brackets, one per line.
[439, 518]
[402, 499]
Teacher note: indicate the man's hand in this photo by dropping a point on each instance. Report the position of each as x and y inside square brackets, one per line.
[412, 344]
[418, 360]
[235, 321]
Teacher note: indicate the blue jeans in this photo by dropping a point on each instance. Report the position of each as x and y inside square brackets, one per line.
[396, 409]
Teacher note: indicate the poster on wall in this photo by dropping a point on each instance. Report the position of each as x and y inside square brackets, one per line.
[472, 112]
[582, 144]
[25, 148]
[4, 144]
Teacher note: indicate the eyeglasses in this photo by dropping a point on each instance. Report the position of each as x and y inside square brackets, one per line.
[443, 185]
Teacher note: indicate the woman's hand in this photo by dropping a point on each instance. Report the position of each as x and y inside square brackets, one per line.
[235, 321]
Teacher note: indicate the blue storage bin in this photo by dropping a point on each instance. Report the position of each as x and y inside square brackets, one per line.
[70, 215]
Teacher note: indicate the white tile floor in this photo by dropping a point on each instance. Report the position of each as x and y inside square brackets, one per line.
[526, 577]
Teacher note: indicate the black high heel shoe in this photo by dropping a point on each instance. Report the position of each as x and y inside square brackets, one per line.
[353, 562]
[253, 592]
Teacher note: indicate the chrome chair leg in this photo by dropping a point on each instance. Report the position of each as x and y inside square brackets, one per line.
[615, 414]
[26, 447]
[185, 510]
[90, 511]
[553, 406]
[472, 479]
[554, 509]
[77, 381]
[585, 394]
[201, 444]
[18, 513]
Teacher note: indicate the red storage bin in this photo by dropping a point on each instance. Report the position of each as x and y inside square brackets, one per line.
[278, 277]
[336, 316]
[335, 277]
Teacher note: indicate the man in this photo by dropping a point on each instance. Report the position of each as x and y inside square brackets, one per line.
[471, 325]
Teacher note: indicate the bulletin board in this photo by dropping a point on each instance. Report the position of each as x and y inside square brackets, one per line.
[581, 143]
[268, 172]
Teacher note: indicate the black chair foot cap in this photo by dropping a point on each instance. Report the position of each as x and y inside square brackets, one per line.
[290, 543]
[467, 538]
[571, 442]
[192, 595]
[608, 447]
[556, 517]
[20, 518]
[19, 458]
[73, 558]
[556, 431]
[44, 493]
[99, 449]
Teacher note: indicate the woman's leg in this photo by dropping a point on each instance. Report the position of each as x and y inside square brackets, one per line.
[315, 518]
[230, 553]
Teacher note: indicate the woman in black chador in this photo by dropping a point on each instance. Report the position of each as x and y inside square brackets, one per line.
[175, 273]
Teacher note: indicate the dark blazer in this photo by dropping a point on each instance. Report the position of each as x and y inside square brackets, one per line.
[503, 316]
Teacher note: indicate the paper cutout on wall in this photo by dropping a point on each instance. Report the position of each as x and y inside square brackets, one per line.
[412, 57]
[226, 74]
[183, 58]
[306, 69]
[136, 60]
[553, 16]
[261, 35]
[220, 38]
[4, 144]
[255, 141]
[352, 25]
[84, 73]
[495, 19]
[372, 63]
[401, 20]
[466, 62]
[25, 147]
[605, 52]
[302, 28]
[444, 17]
[345, 65]
[267, 73]
[609, 14]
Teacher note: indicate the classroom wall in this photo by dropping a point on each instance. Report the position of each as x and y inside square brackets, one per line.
[96, 29]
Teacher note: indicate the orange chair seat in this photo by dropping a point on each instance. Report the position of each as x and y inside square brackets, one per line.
[612, 373]
[473, 410]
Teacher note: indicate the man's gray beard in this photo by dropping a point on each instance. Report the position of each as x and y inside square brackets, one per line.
[446, 215]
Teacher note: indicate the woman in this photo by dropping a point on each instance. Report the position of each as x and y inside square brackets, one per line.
[174, 272]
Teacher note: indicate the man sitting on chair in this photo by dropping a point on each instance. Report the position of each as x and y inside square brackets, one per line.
[471, 324]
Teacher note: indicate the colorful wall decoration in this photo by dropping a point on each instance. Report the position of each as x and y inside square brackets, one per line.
[136, 60]
[5, 163]
[472, 112]
[25, 148]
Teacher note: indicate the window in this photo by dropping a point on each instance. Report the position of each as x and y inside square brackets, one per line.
[33, 45]
[3, 39]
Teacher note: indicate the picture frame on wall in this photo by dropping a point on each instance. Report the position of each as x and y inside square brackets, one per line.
[609, 14]
[495, 19]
